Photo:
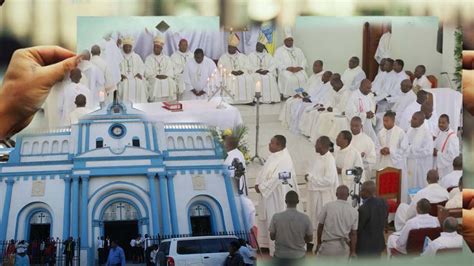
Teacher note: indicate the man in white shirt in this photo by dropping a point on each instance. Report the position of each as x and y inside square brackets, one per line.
[379, 80]
[421, 81]
[364, 144]
[95, 78]
[291, 66]
[455, 197]
[362, 104]
[448, 239]
[110, 86]
[196, 76]
[231, 144]
[80, 110]
[433, 192]
[451, 179]
[353, 76]
[68, 95]
[394, 83]
[347, 157]
[322, 180]
[381, 88]
[180, 57]
[431, 122]
[404, 119]
[423, 219]
[419, 152]
[446, 147]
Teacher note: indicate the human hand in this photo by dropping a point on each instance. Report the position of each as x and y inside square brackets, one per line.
[369, 114]
[26, 84]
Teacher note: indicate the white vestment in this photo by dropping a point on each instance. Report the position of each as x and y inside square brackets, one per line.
[96, 80]
[313, 88]
[358, 105]
[455, 199]
[396, 140]
[365, 145]
[378, 85]
[113, 56]
[106, 70]
[179, 60]
[451, 179]
[286, 57]
[404, 120]
[434, 193]
[353, 77]
[322, 184]
[265, 61]
[132, 88]
[242, 86]
[398, 240]
[196, 77]
[75, 115]
[422, 83]
[346, 159]
[419, 156]
[447, 144]
[68, 97]
[404, 100]
[273, 191]
[160, 89]
[393, 85]
[383, 49]
[444, 241]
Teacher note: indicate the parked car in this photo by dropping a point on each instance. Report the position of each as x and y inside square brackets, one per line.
[195, 251]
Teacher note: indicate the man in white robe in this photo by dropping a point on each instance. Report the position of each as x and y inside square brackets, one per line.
[276, 178]
[109, 84]
[197, 73]
[236, 71]
[449, 238]
[379, 80]
[159, 74]
[431, 122]
[353, 76]
[322, 181]
[80, 110]
[364, 144]
[362, 104]
[403, 120]
[384, 47]
[95, 78]
[68, 96]
[113, 56]
[433, 192]
[380, 84]
[347, 157]
[313, 84]
[180, 57]
[132, 85]
[391, 150]
[291, 66]
[394, 81]
[263, 69]
[446, 147]
[421, 81]
[419, 152]
[451, 179]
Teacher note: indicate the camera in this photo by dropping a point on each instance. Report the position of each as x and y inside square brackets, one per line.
[284, 176]
[238, 167]
[356, 172]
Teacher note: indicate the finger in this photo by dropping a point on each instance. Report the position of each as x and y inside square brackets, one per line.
[468, 59]
[47, 55]
[49, 75]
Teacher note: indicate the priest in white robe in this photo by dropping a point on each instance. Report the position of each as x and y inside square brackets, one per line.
[347, 157]
[313, 84]
[113, 56]
[291, 66]
[403, 120]
[80, 110]
[132, 85]
[384, 47]
[379, 80]
[180, 57]
[453, 178]
[364, 144]
[109, 84]
[238, 80]
[322, 181]
[95, 78]
[392, 150]
[197, 74]
[419, 152]
[159, 74]
[421, 81]
[394, 81]
[263, 69]
[68, 96]
[353, 76]
[276, 178]
[431, 122]
[446, 147]
[362, 104]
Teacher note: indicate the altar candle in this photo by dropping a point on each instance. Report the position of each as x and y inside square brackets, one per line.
[101, 96]
[258, 87]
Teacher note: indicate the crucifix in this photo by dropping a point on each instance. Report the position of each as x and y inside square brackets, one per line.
[41, 216]
[199, 209]
[120, 206]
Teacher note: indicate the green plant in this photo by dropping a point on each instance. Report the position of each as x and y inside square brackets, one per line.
[458, 57]
[239, 132]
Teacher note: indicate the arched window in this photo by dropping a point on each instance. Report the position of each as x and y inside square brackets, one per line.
[55, 147]
[170, 143]
[35, 148]
[99, 143]
[199, 210]
[40, 217]
[26, 148]
[45, 147]
[120, 211]
[208, 142]
[199, 143]
[65, 146]
[180, 143]
[190, 143]
[136, 142]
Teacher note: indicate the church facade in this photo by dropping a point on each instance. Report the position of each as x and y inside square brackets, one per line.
[117, 174]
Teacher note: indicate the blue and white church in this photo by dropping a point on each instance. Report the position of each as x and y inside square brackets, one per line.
[118, 174]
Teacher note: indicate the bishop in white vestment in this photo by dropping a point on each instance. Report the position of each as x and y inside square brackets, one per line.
[197, 73]
[237, 76]
[159, 74]
[420, 151]
[180, 57]
[446, 147]
[291, 66]
[132, 85]
[364, 144]
[276, 178]
[353, 76]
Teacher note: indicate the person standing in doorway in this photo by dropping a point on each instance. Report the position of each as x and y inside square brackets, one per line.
[116, 255]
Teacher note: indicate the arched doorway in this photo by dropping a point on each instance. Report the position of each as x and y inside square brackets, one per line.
[40, 226]
[121, 222]
[200, 219]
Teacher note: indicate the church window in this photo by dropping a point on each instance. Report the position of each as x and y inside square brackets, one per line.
[99, 143]
[136, 142]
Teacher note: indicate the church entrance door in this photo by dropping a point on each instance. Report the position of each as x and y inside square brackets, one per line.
[123, 232]
[40, 226]
[200, 218]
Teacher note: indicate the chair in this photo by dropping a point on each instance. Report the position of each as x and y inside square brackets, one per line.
[416, 240]
[448, 251]
[388, 181]
[434, 207]
[444, 213]
[433, 80]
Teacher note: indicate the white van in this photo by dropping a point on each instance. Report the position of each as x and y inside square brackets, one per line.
[195, 251]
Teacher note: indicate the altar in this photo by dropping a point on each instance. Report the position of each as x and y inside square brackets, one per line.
[197, 111]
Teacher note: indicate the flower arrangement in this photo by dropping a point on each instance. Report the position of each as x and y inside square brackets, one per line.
[239, 132]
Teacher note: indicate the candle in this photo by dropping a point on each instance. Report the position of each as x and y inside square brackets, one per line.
[101, 96]
[258, 87]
